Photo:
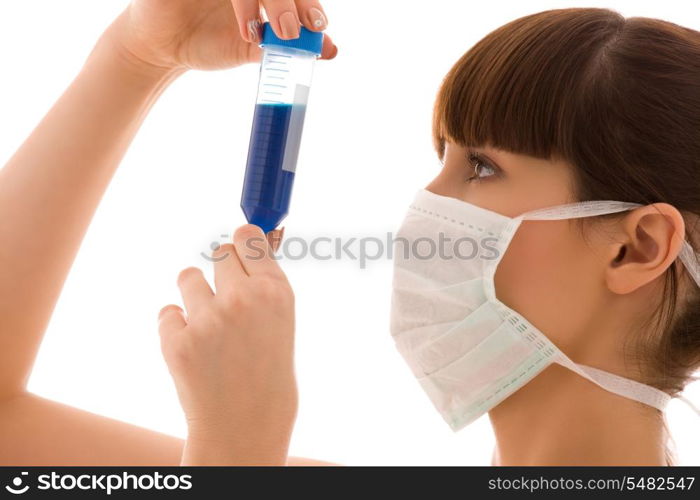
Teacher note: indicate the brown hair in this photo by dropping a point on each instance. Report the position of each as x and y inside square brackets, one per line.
[617, 98]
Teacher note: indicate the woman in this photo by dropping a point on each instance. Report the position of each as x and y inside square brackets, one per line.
[558, 107]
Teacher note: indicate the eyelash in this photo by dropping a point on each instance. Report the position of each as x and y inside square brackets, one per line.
[479, 161]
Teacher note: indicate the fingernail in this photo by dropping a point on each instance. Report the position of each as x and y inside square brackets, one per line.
[318, 20]
[274, 238]
[289, 24]
[254, 30]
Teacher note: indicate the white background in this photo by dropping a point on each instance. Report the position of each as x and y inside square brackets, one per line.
[366, 150]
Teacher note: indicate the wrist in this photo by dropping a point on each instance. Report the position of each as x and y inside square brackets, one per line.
[134, 68]
[206, 448]
[238, 441]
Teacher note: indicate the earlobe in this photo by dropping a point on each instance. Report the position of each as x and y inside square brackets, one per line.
[652, 239]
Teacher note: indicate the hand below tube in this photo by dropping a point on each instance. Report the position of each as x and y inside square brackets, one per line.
[231, 356]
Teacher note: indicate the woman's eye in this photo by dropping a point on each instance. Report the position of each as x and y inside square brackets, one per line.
[481, 167]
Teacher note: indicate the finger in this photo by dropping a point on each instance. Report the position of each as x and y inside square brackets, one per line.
[253, 53]
[171, 318]
[194, 289]
[254, 251]
[274, 238]
[314, 18]
[328, 49]
[249, 19]
[228, 269]
[312, 15]
[283, 18]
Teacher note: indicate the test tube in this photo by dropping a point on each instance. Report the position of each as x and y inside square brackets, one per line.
[283, 90]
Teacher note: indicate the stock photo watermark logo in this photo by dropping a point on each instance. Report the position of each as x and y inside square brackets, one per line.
[363, 249]
[106, 483]
[17, 485]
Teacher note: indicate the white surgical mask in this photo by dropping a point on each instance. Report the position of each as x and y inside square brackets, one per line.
[468, 350]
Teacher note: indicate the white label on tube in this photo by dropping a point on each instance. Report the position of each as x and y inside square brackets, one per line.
[296, 123]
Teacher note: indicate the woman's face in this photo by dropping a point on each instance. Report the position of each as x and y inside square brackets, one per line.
[549, 274]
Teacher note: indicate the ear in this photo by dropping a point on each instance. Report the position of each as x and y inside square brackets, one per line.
[652, 239]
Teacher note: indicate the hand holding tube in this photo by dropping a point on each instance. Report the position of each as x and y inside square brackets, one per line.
[232, 356]
[206, 34]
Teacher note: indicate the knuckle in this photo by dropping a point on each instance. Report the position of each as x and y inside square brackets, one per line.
[272, 290]
[235, 300]
[265, 289]
[204, 319]
[203, 337]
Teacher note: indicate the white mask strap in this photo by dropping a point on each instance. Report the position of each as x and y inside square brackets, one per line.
[691, 261]
[687, 255]
[614, 383]
[579, 209]
[622, 386]
[632, 389]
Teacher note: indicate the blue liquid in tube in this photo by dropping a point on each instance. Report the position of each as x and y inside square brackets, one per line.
[283, 90]
[272, 155]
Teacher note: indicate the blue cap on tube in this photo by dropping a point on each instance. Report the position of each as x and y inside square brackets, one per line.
[310, 41]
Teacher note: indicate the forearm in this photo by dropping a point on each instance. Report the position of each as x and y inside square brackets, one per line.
[50, 188]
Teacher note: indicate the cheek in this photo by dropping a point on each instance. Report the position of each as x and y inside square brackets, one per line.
[448, 183]
[549, 277]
